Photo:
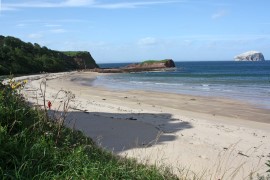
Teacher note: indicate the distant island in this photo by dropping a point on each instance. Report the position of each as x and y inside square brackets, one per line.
[18, 57]
[250, 56]
[153, 64]
[149, 65]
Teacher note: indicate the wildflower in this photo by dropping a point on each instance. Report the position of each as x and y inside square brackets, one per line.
[13, 86]
[18, 84]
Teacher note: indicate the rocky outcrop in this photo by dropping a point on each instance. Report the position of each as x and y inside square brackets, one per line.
[151, 65]
[250, 56]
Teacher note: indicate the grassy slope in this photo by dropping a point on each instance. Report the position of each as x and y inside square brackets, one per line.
[74, 53]
[153, 61]
[30, 148]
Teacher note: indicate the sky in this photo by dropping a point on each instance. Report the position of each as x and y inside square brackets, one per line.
[137, 30]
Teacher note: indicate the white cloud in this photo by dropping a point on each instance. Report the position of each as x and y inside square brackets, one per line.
[5, 8]
[85, 3]
[74, 3]
[40, 4]
[57, 31]
[35, 35]
[52, 25]
[148, 41]
[41, 34]
[219, 14]
[131, 4]
[21, 25]
[52, 22]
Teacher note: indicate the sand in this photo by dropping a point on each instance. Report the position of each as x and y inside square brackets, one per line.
[210, 136]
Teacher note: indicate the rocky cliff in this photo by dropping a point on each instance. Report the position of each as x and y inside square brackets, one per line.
[250, 56]
[83, 59]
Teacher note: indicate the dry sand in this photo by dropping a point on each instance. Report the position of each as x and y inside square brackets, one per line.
[212, 137]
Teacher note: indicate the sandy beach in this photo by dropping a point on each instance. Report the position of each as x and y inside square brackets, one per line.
[211, 137]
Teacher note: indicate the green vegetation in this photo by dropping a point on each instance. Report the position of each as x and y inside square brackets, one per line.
[34, 147]
[268, 165]
[18, 57]
[83, 59]
[74, 53]
[154, 61]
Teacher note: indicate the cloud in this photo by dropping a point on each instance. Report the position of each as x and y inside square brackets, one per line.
[21, 25]
[57, 31]
[52, 22]
[41, 34]
[219, 14]
[148, 41]
[5, 8]
[35, 35]
[52, 25]
[74, 3]
[40, 4]
[84, 3]
[132, 4]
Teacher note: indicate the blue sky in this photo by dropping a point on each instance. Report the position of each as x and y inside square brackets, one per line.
[136, 30]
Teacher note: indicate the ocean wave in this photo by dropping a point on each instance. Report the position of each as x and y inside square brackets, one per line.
[205, 85]
[171, 84]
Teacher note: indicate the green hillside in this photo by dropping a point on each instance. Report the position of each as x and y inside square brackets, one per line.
[83, 59]
[18, 57]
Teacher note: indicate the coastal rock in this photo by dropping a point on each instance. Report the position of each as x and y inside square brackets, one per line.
[250, 56]
[83, 59]
[152, 64]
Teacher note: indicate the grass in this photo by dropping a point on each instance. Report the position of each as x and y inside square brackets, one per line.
[268, 165]
[153, 61]
[74, 53]
[31, 148]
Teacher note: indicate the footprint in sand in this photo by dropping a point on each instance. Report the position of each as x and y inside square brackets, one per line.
[203, 157]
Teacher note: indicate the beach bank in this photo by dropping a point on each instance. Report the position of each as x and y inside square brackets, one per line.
[205, 135]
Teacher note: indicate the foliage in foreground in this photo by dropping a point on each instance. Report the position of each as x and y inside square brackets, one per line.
[31, 148]
[268, 164]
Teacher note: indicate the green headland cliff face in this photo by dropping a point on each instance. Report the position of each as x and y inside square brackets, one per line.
[83, 59]
[18, 57]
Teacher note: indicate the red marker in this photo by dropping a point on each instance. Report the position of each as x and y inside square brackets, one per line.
[49, 104]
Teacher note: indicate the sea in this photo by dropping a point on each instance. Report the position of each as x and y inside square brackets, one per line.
[244, 81]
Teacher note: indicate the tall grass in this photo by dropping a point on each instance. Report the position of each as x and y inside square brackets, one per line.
[31, 148]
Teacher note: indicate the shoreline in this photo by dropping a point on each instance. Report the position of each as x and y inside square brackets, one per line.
[163, 128]
[217, 111]
[207, 90]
